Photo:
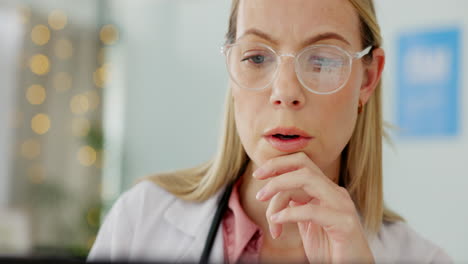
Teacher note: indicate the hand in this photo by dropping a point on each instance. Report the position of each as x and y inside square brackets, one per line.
[326, 216]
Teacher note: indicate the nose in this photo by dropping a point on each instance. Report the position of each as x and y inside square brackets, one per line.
[287, 91]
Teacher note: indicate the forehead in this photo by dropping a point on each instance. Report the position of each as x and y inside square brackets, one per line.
[293, 21]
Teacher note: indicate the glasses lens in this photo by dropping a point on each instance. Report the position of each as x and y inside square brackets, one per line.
[323, 69]
[251, 65]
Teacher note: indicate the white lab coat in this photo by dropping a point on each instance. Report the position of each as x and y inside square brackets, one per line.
[149, 224]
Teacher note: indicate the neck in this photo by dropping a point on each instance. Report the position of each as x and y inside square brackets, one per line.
[290, 238]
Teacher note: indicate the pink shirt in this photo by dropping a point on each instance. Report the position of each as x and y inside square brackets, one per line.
[242, 237]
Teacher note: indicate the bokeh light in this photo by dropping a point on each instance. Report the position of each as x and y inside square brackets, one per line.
[79, 104]
[80, 127]
[109, 34]
[36, 94]
[57, 19]
[39, 64]
[24, 13]
[40, 124]
[30, 149]
[93, 99]
[40, 35]
[86, 156]
[101, 75]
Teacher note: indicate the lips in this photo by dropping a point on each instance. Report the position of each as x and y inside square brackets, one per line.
[287, 139]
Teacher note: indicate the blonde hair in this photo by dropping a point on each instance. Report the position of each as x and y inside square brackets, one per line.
[361, 166]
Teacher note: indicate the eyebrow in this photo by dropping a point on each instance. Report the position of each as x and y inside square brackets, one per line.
[321, 36]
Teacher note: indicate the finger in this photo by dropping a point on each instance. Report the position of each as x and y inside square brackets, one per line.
[329, 219]
[282, 164]
[301, 225]
[315, 186]
[280, 201]
[277, 203]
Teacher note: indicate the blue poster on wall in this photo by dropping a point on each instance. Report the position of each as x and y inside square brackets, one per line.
[428, 83]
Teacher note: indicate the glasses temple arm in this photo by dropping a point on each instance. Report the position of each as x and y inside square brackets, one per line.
[363, 53]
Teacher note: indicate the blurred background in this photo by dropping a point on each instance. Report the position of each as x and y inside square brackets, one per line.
[95, 94]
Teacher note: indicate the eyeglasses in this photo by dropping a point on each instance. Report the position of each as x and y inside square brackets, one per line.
[321, 68]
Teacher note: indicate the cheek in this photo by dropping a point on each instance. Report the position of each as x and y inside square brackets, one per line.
[344, 105]
[244, 107]
[337, 121]
[248, 113]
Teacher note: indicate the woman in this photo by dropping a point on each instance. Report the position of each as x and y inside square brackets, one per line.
[298, 173]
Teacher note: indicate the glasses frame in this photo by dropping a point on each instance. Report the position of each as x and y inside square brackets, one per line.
[351, 56]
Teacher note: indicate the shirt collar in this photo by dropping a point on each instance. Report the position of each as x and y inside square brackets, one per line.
[243, 227]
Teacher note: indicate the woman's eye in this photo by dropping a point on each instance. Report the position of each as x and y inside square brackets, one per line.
[320, 61]
[324, 62]
[257, 59]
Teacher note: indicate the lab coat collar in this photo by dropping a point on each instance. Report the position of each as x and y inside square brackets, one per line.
[191, 217]
[194, 219]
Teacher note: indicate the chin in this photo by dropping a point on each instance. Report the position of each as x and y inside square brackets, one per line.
[261, 155]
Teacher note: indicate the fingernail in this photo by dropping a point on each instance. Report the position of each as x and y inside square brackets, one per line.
[274, 231]
[257, 173]
[274, 217]
[273, 235]
[260, 194]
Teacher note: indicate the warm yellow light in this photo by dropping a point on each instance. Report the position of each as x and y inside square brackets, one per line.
[57, 19]
[39, 64]
[62, 81]
[79, 104]
[63, 49]
[24, 13]
[36, 94]
[36, 173]
[40, 35]
[30, 149]
[109, 34]
[40, 124]
[80, 127]
[101, 76]
[86, 156]
[93, 99]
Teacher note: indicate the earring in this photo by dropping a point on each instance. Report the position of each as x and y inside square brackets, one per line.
[359, 110]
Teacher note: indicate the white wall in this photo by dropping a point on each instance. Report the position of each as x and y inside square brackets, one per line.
[174, 85]
[426, 179]
[10, 32]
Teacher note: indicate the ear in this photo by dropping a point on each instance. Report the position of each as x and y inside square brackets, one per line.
[372, 74]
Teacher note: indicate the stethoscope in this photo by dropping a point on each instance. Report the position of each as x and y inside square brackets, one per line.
[222, 206]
